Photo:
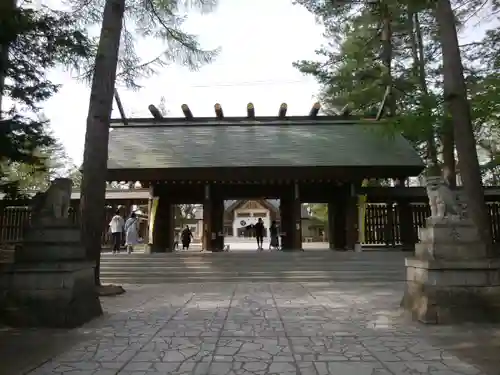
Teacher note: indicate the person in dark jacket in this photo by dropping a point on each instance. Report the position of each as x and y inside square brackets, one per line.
[186, 237]
[274, 242]
[259, 233]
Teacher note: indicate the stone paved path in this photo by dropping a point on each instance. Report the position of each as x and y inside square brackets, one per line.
[259, 329]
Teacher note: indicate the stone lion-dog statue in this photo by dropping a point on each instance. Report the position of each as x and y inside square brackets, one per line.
[444, 202]
[53, 204]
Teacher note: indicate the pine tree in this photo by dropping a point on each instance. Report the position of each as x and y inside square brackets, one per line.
[432, 116]
[31, 42]
[152, 18]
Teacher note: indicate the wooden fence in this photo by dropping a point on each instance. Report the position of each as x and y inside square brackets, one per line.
[14, 219]
[381, 223]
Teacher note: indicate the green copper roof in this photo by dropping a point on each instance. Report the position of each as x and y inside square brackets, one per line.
[247, 144]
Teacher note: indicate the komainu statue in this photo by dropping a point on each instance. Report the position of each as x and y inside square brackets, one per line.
[444, 202]
[53, 204]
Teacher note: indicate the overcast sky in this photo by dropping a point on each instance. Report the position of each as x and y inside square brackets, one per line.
[259, 40]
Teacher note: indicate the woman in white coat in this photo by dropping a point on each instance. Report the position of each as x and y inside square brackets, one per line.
[131, 232]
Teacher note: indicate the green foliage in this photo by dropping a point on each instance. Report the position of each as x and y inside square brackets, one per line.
[32, 41]
[184, 212]
[75, 175]
[37, 40]
[52, 163]
[319, 211]
[350, 69]
[160, 20]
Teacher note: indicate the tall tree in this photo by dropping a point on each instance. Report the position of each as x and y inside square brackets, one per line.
[95, 156]
[32, 41]
[455, 96]
[420, 30]
[153, 18]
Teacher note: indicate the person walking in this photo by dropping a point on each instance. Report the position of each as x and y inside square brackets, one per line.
[116, 227]
[186, 237]
[274, 242]
[176, 241]
[259, 233]
[131, 232]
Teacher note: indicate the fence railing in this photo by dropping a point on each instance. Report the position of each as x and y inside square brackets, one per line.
[15, 219]
[382, 223]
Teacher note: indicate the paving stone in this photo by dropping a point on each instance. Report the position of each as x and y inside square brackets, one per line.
[260, 329]
[253, 368]
[339, 368]
[254, 327]
[192, 328]
[266, 350]
[397, 349]
[431, 368]
[177, 349]
[329, 349]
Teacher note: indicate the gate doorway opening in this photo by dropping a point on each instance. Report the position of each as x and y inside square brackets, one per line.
[315, 226]
[240, 217]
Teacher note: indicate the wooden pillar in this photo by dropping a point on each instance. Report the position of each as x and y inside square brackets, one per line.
[170, 226]
[331, 224]
[163, 221]
[290, 212]
[405, 213]
[148, 237]
[207, 218]
[286, 223]
[159, 242]
[2, 215]
[351, 229]
[297, 215]
[389, 235]
[217, 221]
[408, 238]
[340, 223]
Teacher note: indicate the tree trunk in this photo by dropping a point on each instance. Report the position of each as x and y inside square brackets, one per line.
[448, 141]
[95, 155]
[6, 8]
[417, 47]
[386, 55]
[455, 96]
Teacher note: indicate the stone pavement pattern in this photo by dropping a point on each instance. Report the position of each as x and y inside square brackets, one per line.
[258, 329]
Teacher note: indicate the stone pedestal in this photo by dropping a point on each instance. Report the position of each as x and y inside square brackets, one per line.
[50, 284]
[55, 295]
[450, 280]
[451, 239]
[152, 248]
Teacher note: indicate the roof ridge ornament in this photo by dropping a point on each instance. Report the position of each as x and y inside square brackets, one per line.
[250, 111]
[282, 111]
[315, 110]
[218, 111]
[155, 112]
[187, 112]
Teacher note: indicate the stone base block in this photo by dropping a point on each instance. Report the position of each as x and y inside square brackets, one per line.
[54, 295]
[150, 249]
[450, 239]
[51, 243]
[449, 292]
